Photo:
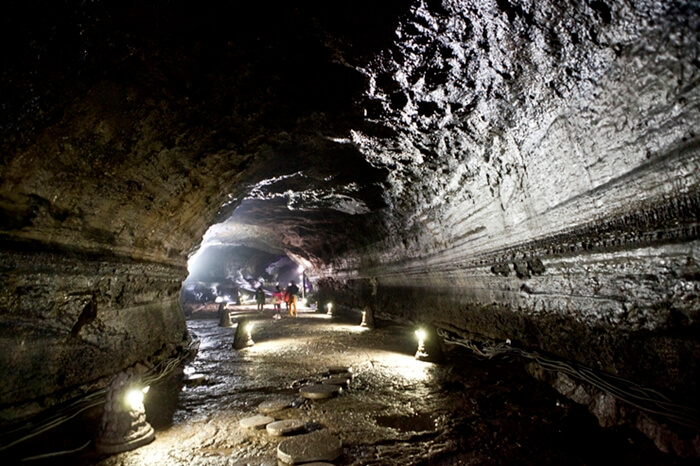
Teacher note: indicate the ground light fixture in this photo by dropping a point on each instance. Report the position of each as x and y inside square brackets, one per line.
[124, 426]
[243, 337]
[249, 331]
[330, 309]
[134, 397]
[421, 353]
[367, 317]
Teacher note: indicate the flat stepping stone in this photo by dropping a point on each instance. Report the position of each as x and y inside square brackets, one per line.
[277, 404]
[307, 448]
[337, 380]
[285, 427]
[256, 422]
[319, 391]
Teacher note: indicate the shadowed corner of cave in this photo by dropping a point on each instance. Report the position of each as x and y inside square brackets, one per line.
[487, 214]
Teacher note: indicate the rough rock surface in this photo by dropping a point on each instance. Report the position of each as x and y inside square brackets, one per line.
[509, 168]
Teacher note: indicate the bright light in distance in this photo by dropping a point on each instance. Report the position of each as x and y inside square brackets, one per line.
[134, 399]
[420, 333]
[219, 299]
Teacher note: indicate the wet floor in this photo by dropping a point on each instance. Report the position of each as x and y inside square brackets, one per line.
[396, 410]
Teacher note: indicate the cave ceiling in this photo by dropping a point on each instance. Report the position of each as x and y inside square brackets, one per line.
[386, 130]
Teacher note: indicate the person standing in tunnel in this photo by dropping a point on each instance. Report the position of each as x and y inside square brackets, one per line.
[277, 298]
[292, 291]
[260, 298]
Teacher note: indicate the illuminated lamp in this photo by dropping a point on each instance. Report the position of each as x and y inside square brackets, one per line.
[429, 344]
[330, 309]
[421, 353]
[244, 335]
[224, 317]
[124, 426]
[367, 318]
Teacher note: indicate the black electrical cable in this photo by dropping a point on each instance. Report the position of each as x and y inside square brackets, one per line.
[56, 453]
[93, 399]
[645, 399]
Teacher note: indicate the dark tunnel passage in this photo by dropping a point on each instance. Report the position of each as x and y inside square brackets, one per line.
[518, 179]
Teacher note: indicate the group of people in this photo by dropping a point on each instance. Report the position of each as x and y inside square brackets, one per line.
[288, 295]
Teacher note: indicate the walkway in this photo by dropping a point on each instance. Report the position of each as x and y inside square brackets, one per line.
[396, 410]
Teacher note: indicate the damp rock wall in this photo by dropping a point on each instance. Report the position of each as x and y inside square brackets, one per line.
[71, 321]
[544, 181]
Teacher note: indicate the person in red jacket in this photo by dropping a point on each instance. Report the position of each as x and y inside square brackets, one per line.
[277, 298]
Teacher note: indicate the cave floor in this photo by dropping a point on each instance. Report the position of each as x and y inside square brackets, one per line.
[396, 411]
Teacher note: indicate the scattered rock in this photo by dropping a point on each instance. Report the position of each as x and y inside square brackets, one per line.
[501, 269]
[521, 269]
[536, 266]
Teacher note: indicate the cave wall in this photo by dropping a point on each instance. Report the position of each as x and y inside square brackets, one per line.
[544, 183]
[91, 269]
[523, 170]
[71, 320]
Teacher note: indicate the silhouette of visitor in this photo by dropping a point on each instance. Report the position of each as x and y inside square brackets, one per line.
[292, 291]
[260, 297]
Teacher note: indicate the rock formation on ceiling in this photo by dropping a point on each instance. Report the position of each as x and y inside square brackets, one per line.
[514, 169]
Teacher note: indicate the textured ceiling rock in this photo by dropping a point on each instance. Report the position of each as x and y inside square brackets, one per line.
[516, 169]
[171, 116]
[518, 121]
